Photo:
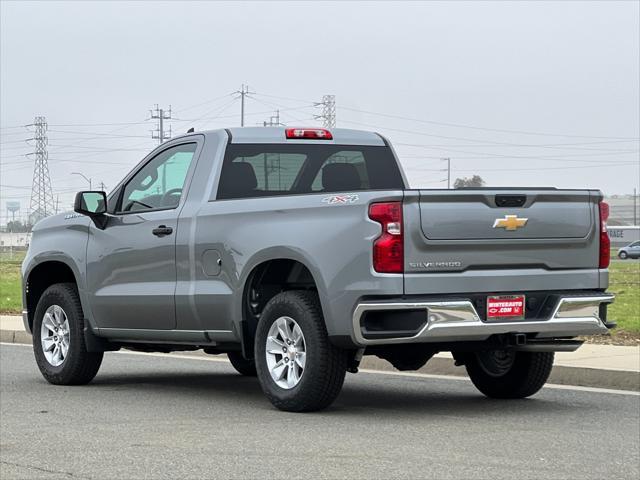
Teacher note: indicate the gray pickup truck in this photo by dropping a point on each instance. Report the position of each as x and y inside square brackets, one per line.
[297, 251]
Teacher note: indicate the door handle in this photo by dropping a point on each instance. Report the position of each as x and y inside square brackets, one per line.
[162, 230]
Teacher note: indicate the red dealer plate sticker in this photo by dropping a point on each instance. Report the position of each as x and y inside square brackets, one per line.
[505, 306]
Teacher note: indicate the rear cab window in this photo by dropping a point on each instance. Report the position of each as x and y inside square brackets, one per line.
[261, 170]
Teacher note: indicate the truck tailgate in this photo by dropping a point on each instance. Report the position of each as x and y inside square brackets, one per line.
[505, 233]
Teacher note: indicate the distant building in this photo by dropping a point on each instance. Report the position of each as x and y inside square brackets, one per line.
[14, 240]
[621, 236]
[622, 210]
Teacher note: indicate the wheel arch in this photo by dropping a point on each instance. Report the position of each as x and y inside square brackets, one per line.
[268, 276]
[40, 277]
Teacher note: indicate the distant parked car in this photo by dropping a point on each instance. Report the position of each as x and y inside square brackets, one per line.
[630, 251]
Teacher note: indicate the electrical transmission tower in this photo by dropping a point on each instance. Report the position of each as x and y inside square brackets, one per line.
[41, 196]
[161, 115]
[328, 115]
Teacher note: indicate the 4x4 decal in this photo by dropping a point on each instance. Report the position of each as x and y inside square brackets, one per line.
[340, 199]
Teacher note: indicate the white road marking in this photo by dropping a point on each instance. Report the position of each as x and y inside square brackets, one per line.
[552, 386]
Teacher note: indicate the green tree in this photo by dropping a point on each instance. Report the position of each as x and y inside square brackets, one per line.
[475, 181]
[18, 227]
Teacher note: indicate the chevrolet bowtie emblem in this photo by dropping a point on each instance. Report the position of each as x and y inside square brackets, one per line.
[510, 222]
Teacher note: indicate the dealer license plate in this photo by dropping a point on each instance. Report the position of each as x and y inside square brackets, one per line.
[507, 307]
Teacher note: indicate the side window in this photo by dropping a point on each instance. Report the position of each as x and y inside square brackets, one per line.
[158, 185]
[261, 174]
[347, 167]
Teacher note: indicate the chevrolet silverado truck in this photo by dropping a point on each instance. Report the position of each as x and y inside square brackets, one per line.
[296, 251]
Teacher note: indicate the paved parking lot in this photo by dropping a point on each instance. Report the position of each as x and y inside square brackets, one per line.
[166, 417]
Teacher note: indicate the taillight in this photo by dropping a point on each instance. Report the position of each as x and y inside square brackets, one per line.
[388, 248]
[308, 133]
[605, 243]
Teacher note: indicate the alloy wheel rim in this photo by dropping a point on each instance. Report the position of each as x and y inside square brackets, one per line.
[286, 352]
[54, 335]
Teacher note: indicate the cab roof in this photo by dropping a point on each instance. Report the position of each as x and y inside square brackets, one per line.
[341, 136]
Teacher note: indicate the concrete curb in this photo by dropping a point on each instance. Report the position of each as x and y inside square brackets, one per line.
[15, 336]
[561, 375]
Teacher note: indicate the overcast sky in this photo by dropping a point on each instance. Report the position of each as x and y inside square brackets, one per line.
[531, 94]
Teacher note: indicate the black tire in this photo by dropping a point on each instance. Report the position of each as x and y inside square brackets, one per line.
[79, 367]
[325, 365]
[522, 376]
[242, 365]
[623, 255]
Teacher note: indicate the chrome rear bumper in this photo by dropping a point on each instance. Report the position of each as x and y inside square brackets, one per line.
[458, 320]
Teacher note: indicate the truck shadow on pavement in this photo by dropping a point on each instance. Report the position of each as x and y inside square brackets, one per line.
[396, 395]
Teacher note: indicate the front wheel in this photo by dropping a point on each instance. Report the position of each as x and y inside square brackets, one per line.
[507, 373]
[623, 255]
[298, 368]
[58, 338]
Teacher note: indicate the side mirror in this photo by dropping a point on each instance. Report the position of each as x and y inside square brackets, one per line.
[91, 204]
[94, 206]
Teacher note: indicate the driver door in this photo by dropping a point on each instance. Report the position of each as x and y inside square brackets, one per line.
[131, 264]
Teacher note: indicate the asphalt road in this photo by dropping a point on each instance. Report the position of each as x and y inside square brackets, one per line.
[162, 417]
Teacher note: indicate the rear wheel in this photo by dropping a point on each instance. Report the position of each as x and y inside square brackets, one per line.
[58, 338]
[242, 365]
[507, 373]
[298, 368]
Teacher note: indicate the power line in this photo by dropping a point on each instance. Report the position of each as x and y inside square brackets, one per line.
[13, 126]
[94, 124]
[279, 107]
[219, 109]
[108, 134]
[553, 146]
[286, 98]
[486, 156]
[473, 127]
[16, 141]
[461, 125]
[204, 103]
[413, 132]
[518, 169]
[482, 155]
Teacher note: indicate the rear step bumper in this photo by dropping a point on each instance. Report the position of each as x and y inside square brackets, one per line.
[458, 320]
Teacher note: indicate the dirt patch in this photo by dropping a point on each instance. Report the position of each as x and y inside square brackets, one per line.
[621, 337]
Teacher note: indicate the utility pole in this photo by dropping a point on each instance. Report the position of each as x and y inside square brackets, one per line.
[57, 203]
[328, 115]
[161, 115]
[274, 120]
[635, 206]
[103, 187]
[448, 160]
[41, 204]
[243, 92]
